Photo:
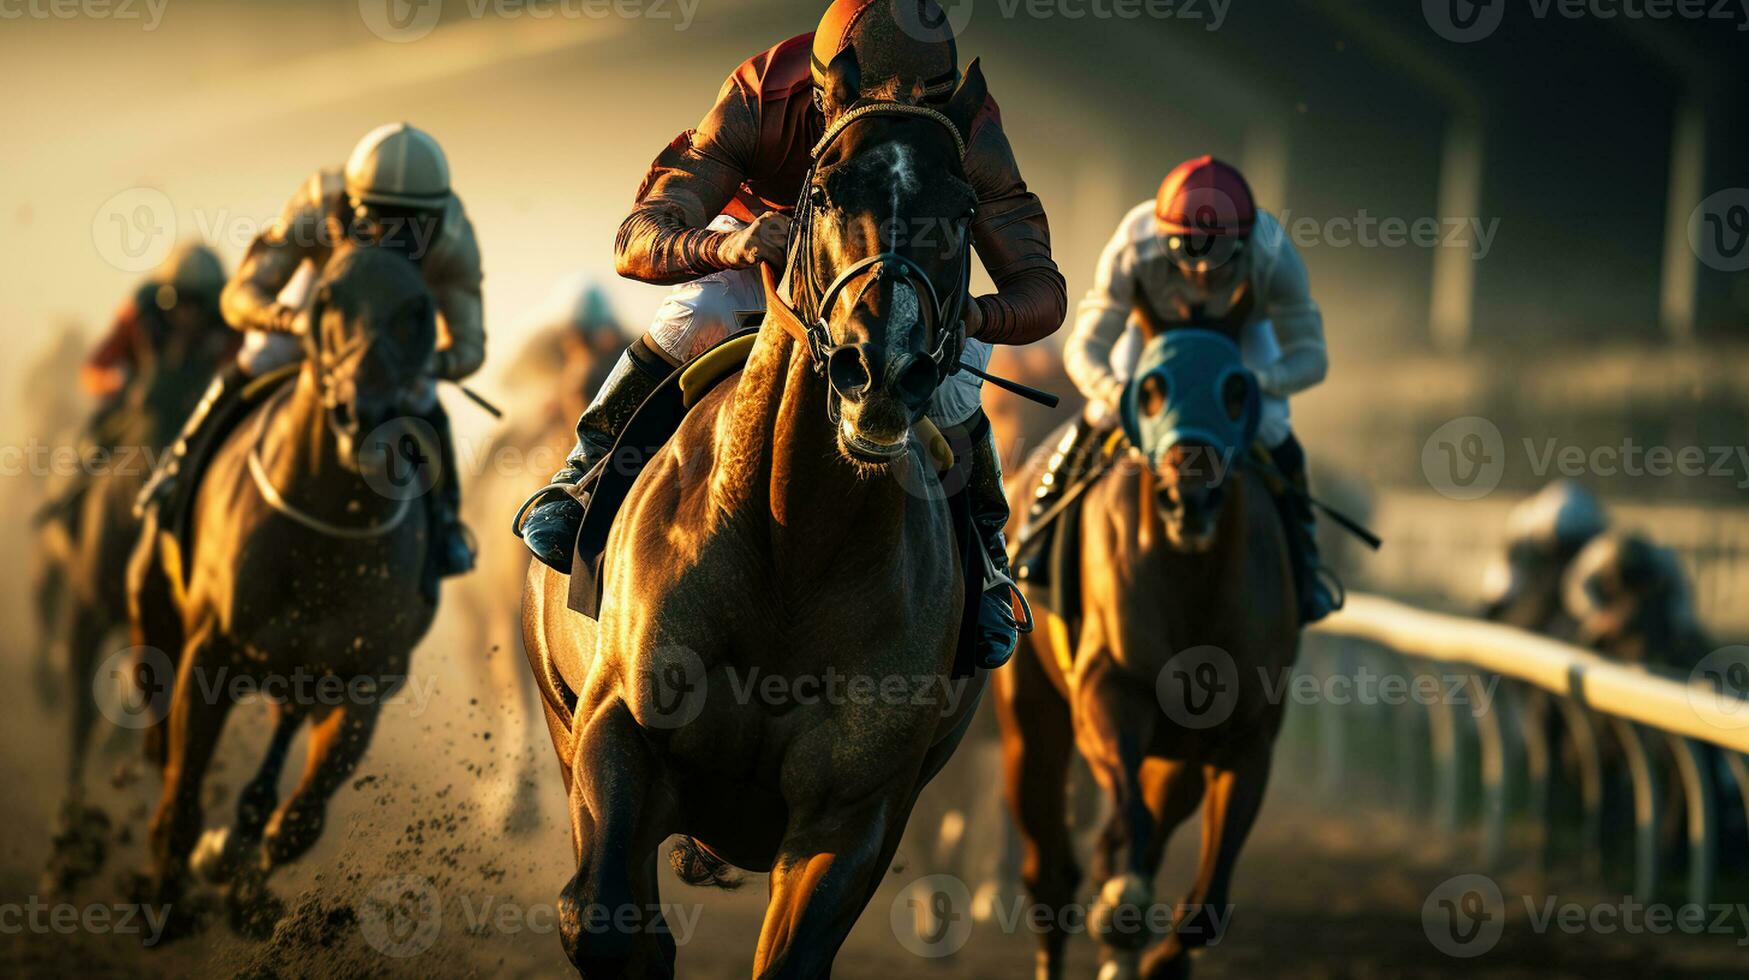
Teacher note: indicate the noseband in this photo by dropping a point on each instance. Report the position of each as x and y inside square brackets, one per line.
[814, 332]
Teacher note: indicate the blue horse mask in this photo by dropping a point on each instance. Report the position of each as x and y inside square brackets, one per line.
[1209, 395]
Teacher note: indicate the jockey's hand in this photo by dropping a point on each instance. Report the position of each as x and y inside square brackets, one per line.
[974, 317]
[765, 240]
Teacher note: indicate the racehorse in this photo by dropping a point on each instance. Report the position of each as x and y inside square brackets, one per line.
[774, 537]
[1187, 616]
[304, 566]
[88, 556]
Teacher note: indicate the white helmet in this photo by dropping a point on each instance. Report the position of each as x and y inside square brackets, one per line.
[398, 165]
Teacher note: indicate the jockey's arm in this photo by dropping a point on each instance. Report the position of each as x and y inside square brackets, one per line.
[664, 240]
[1013, 240]
[250, 300]
[109, 365]
[1100, 322]
[1298, 324]
[454, 274]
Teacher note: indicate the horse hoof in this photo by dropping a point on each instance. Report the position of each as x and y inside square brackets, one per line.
[255, 911]
[1122, 965]
[212, 859]
[1118, 916]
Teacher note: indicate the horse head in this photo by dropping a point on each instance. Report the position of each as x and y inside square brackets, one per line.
[882, 257]
[1192, 411]
[373, 330]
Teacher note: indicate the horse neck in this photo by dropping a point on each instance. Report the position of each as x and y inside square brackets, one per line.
[778, 465]
[301, 457]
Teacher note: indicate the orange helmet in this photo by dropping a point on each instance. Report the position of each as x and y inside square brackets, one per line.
[1205, 197]
[907, 40]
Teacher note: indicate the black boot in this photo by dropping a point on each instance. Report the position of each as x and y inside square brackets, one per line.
[550, 527]
[998, 632]
[1317, 598]
[452, 546]
[218, 404]
[1033, 553]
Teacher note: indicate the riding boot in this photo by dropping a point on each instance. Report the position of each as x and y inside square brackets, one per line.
[1317, 598]
[550, 527]
[998, 631]
[452, 551]
[1033, 553]
[226, 388]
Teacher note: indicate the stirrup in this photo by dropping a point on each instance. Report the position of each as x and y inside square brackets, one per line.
[544, 495]
[1322, 575]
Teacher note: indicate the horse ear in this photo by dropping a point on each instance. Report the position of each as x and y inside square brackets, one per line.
[968, 100]
[843, 83]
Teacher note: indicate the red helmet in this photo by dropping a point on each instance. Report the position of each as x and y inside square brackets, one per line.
[1205, 196]
[908, 40]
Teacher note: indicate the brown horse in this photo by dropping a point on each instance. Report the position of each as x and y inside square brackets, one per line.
[767, 542]
[303, 576]
[88, 560]
[1188, 615]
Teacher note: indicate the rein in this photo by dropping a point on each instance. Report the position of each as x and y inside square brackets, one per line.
[277, 502]
[814, 332]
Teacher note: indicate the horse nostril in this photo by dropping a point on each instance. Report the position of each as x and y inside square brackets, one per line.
[915, 381]
[847, 368]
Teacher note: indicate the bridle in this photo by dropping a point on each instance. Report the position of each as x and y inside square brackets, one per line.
[814, 331]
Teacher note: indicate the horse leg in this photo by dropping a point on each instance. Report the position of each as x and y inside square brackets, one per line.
[81, 833]
[48, 589]
[820, 883]
[615, 837]
[196, 721]
[1115, 723]
[225, 853]
[1038, 742]
[1234, 796]
[154, 618]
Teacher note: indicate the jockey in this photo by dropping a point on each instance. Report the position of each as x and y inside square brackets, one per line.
[1202, 254]
[718, 200]
[393, 193]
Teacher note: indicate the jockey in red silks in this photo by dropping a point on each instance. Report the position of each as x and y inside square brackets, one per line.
[717, 202]
[1202, 254]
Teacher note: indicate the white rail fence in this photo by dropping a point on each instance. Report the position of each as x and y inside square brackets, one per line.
[1695, 730]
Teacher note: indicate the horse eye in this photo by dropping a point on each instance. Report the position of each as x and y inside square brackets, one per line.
[817, 195]
[1153, 399]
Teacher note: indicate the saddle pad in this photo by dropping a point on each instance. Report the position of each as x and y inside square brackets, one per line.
[177, 514]
[656, 420]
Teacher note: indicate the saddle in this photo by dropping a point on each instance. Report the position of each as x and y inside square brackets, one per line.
[176, 515]
[660, 416]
